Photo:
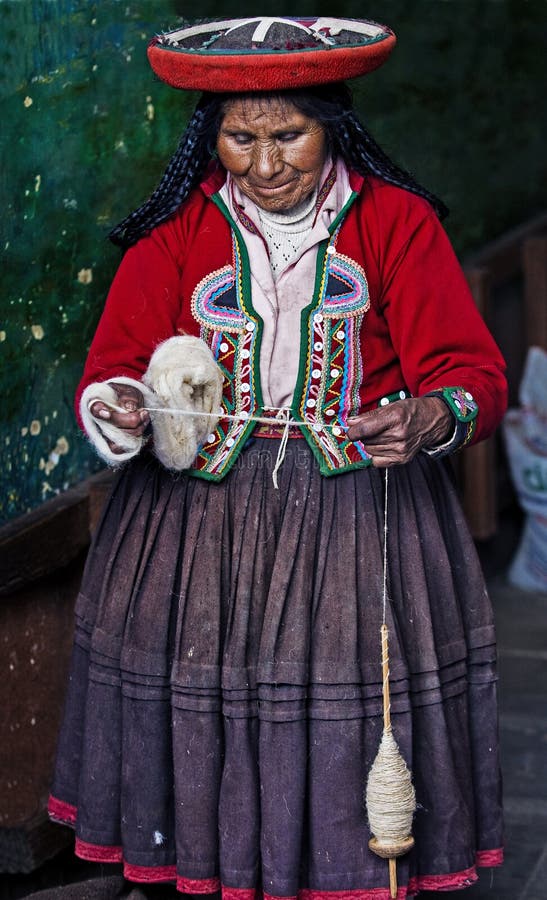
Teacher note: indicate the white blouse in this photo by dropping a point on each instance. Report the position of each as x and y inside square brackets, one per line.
[279, 299]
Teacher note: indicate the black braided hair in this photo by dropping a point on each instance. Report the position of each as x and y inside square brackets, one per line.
[183, 172]
[331, 105]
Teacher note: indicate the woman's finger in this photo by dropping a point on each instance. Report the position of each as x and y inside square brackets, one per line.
[128, 413]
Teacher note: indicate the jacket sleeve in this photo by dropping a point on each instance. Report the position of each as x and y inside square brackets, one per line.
[435, 328]
[141, 311]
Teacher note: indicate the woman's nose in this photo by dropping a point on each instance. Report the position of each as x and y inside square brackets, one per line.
[267, 160]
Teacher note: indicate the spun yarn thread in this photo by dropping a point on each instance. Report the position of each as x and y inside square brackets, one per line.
[390, 795]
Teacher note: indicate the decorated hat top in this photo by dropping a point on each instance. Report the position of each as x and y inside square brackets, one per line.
[266, 53]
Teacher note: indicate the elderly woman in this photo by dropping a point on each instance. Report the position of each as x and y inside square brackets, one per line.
[288, 324]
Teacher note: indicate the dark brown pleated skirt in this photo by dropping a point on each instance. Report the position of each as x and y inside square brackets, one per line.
[225, 699]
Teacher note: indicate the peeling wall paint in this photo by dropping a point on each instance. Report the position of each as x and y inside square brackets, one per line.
[87, 130]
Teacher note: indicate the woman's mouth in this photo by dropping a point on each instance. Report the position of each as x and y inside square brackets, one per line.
[271, 188]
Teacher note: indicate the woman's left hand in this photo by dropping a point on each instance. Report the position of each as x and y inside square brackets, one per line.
[393, 434]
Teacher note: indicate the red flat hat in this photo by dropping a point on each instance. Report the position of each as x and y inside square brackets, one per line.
[268, 53]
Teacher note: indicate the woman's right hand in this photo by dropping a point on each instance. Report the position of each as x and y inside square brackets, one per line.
[134, 421]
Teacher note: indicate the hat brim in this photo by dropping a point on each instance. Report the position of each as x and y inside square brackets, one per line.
[225, 71]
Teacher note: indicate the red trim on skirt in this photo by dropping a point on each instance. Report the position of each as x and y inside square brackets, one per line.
[210, 886]
[145, 874]
[489, 858]
[61, 812]
[229, 893]
[98, 853]
[66, 814]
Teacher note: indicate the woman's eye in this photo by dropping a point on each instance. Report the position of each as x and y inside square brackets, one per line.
[287, 136]
[242, 139]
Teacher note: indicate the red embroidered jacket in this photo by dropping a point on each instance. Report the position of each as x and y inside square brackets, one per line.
[421, 330]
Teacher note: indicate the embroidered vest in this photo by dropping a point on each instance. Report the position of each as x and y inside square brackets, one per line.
[330, 367]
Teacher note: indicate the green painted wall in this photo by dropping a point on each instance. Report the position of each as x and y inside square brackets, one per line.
[86, 131]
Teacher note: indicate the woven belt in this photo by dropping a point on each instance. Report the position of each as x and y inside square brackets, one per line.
[276, 431]
[277, 428]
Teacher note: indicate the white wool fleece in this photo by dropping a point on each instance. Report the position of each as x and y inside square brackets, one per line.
[183, 374]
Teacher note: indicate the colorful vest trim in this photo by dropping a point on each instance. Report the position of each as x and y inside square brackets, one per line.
[330, 372]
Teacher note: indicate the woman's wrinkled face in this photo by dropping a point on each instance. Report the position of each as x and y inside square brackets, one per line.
[274, 153]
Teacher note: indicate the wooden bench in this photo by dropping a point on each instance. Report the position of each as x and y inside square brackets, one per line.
[41, 561]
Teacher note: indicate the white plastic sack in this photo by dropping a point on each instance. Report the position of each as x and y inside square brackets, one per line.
[525, 431]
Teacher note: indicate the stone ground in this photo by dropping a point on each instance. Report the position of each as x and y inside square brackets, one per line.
[522, 636]
[522, 640]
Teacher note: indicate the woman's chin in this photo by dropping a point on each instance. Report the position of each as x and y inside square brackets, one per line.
[281, 200]
[278, 199]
